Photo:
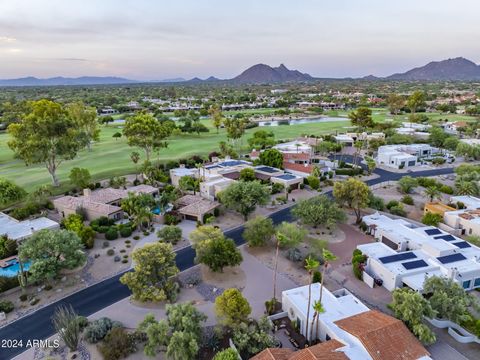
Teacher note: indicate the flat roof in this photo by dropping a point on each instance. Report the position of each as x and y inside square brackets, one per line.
[267, 169]
[18, 230]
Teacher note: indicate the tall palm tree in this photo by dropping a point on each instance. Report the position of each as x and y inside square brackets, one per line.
[310, 265]
[432, 192]
[465, 187]
[142, 216]
[318, 309]
[327, 257]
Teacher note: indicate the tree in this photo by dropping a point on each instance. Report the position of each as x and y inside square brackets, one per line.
[362, 118]
[216, 115]
[437, 136]
[170, 234]
[182, 345]
[411, 307]
[395, 103]
[50, 251]
[407, 184]
[135, 157]
[271, 157]
[310, 265]
[319, 210]
[227, 354]
[244, 196]
[47, 135]
[288, 235]
[232, 308]
[431, 219]
[247, 174]
[146, 132]
[117, 135]
[448, 299]
[235, 129]
[466, 187]
[214, 250]
[86, 120]
[185, 317]
[433, 193]
[313, 182]
[10, 192]
[258, 231]
[140, 207]
[415, 101]
[469, 152]
[189, 183]
[371, 164]
[151, 278]
[8, 247]
[354, 193]
[157, 334]
[80, 177]
[261, 140]
[74, 222]
[253, 337]
[65, 322]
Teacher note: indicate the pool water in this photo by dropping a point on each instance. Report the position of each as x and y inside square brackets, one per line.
[13, 269]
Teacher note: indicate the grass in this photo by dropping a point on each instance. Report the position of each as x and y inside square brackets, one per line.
[110, 157]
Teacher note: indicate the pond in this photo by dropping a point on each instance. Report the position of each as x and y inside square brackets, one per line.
[301, 121]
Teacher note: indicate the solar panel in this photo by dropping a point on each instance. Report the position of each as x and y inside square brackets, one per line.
[446, 237]
[414, 264]
[267, 169]
[450, 258]
[397, 257]
[462, 244]
[433, 231]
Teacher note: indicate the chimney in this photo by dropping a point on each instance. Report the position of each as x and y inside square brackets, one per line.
[182, 166]
[87, 192]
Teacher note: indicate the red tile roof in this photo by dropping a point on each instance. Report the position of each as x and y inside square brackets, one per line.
[297, 167]
[322, 351]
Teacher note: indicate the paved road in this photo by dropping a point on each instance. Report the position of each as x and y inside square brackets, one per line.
[94, 298]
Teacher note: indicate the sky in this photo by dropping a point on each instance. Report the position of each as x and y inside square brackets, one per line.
[161, 39]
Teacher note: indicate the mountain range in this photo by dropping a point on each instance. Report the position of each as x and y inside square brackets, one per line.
[451, 69]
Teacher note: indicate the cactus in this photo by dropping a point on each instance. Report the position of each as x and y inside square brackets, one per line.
[22, 276]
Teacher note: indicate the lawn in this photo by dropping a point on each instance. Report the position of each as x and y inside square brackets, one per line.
[110, 157]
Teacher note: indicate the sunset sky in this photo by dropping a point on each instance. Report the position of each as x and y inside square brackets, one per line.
[151, 40]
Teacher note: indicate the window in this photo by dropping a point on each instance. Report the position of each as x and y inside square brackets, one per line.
[466, 284]
[477, 282]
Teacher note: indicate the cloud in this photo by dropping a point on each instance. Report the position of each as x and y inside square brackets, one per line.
[7, 39]
[72, 59]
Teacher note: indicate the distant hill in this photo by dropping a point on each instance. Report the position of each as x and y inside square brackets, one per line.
[172, 80]
[55, 81]
[451, 69]
[262, 74]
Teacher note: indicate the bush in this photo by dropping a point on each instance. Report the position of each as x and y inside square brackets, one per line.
[23, 297]
[398, 210]
[407, 199]
[105, 244]
[392, 203]
[313, 182]
[294, 254]
[276, 188]
[270, 306]
[102, 229]
[170, 234]
[98, 329]
[216, 212]
[48, 287]
[376, 202]
[136, 237]
[7, 283]
[357, 260]
[446, 189]
[110, 252]
[438, 161]
[125, 231]
[317, 277]
[363, 226]
[431, 219]
[171, 219]
[8, 247]
[6, 306]
[281, 199]
[427, 182]
[111, 234]
[118, 344]
[82, 322]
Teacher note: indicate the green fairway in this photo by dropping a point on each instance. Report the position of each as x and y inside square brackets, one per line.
[110, 157]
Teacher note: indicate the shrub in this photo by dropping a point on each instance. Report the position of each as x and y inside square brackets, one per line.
[170, 234]
[392, 203]
[363, 226]
[125, 231]
[34, 301]
[118, 344]
[317, 277]
[171, 219]
[398, 210]
[82, 322]
[98, 329]
[110, 252]
[6, 306]
[276, 188]
[376, 202]
[48, 287]
[7, 283]
[357, 259]
[294, 254]
[8, 247]
[23, 297]
[426, 182]
[105, 244]
[102, 229]
[270, 306]
[136, 237]
[281, 199]
[431, 219]
[407, 199]
[446, 189]
[313, 182]
[216, 212]
[111, 234]
[438, 161]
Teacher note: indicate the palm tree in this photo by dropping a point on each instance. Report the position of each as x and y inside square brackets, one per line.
[327, 257]
[142, 216]
[319, 309]
[310, 265]
[135, 157]
[433, 193]
[467, 188]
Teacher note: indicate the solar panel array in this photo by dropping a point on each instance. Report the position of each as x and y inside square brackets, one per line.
[451, 258]
[397, 257]
[462, 244]
[446, 237]
[414, 264]
[433, 231]
[267, 169]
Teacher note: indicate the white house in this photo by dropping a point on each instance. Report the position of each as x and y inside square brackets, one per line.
[346, 320]
[404, 156]
[406, 254]
[20, 230]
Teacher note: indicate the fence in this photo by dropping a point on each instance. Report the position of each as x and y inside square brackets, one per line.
[382, 184]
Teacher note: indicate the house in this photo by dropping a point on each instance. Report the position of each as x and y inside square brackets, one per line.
[412, 132]
[98, 203]
[347, 328]
[407, 254]
[193, 207]
[454, 127]
[177, 173]
[437, 208]
[404, 156]
[465, 221]
[344, 139]
[20, 230]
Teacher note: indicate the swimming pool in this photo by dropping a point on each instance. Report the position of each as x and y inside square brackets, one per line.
[13, 268]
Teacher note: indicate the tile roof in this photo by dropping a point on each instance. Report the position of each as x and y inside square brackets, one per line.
[383, 336]
[199, 208]
[297, 167]
[273, 354]
[323, 351]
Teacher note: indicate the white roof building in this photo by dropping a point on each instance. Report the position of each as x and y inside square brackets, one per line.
[406, 254]
[19, 230]
[294, 147]
[472, 142]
